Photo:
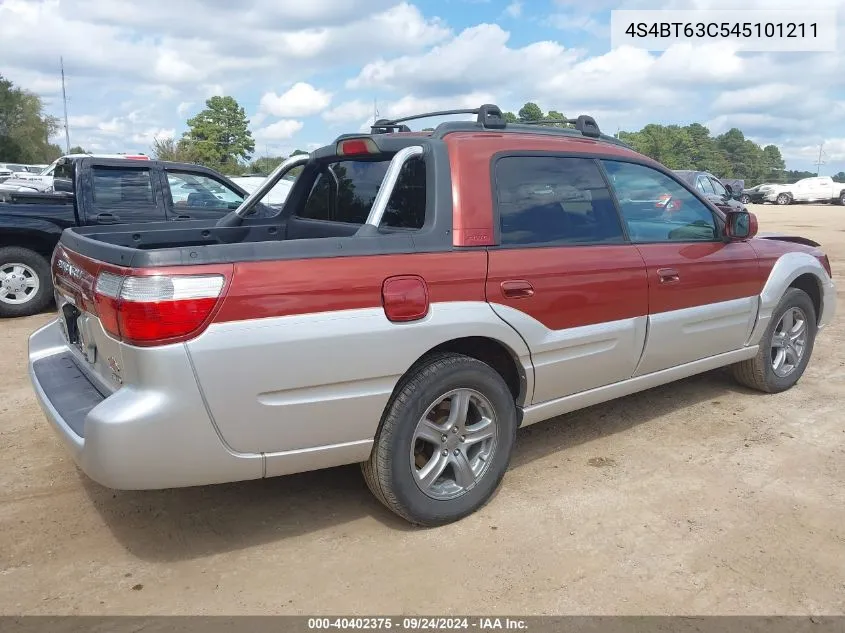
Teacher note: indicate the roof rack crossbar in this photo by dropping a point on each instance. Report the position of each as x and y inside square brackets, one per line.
[488, 116]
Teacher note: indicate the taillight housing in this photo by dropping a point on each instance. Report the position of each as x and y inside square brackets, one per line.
[156, 309]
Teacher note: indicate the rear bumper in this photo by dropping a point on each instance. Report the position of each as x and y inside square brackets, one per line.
[158, 436]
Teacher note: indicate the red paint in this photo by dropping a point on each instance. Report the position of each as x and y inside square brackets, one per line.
[405, 298]
[288, 287]
[470, 155]
[769, 251]
[708, 272]
[755, 226]
[573, 285]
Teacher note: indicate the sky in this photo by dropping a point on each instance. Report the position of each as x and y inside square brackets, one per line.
[309, 70]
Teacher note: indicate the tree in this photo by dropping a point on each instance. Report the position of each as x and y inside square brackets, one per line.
[170, 149]
[219, 136]
[266, 164]
[78, 149]
[530, 112]
[24, 128]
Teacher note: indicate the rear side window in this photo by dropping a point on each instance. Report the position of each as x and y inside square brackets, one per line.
[345, 191]
[554, 200]
[122, 186]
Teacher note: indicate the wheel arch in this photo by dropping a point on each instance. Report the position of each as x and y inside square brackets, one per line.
[791, 270]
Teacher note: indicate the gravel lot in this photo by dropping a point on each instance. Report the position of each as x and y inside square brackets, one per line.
[699, 497]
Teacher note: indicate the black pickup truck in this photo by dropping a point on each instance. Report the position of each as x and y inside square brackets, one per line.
[90, 191]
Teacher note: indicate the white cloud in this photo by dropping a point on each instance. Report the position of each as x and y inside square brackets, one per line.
[147, 137]
[355, 110]
[183, 108]
[301, 99]
[280, 130]
[514, 9]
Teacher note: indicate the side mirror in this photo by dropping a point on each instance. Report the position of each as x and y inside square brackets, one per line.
[740, 225]
[63, 184]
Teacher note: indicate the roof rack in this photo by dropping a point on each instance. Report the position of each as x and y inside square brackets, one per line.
[488, 116]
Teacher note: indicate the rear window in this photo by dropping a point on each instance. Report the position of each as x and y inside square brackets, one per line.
[117, 185]
[345, 191]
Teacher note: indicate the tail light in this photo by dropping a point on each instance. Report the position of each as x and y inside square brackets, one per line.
[159, 309]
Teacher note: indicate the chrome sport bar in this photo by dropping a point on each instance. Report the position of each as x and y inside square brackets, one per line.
[270, 182]
[389, 182]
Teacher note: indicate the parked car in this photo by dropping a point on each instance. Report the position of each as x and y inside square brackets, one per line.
[96, 191]
[711, 188]
[419, 297]
[754, 194]
[42, 181]
[7, 170]
[816, 189]
[276, 197]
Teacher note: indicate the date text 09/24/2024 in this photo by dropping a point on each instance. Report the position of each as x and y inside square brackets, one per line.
[418, 623]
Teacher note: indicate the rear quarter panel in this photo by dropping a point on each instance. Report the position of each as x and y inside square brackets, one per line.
[301, 354]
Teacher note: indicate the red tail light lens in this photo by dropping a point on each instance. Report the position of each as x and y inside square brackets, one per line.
[356, 147]
[158, 309]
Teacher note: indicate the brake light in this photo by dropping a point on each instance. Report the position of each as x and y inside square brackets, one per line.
[157, 309]
[356, 147]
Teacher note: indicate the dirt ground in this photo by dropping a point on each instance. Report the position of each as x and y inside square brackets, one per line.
[699, 497]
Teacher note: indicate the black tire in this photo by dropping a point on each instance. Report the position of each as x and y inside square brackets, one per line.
[745, 199]
[783, 198]
[758, 373]
[388, 472]
[841, 198]
[39, 265]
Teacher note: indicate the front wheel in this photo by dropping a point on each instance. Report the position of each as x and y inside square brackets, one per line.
[785, 348]
[445, 441]
[745, 198]
[25, 283]
[783, 198]
[841, 198]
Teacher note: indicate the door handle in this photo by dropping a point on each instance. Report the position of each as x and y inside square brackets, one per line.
[107, 218]
[668, 275]
[517, 289]
[182, 216]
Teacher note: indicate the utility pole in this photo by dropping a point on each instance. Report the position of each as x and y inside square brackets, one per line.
[64, 99]
[819, 163]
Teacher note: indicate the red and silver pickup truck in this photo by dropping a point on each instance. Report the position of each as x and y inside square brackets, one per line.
[420, 296]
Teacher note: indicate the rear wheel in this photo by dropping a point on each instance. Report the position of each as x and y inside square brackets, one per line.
[25, 284]
[785, 348]
[783, 198]
[841, 198]
[745, 198]
[445, 441]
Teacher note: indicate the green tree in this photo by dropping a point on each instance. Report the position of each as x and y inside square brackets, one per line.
[25, 129]
[170, 149]
[266, 164]
[510, 117]
[530, 112]
[78, 149]
[219, 136]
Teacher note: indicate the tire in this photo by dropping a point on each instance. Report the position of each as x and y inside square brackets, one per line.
[17, 296]
[758, 372]
[841, 198]
[397, 454]
[783, 198]
[745, 199]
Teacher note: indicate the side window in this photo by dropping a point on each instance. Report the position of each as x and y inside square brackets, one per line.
[718, 188]
[197, 191]
[656, 208]
[122, 186]
[345, 192]
[554, 200]
[702, 183]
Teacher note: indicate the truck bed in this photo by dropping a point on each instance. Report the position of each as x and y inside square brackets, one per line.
[203, 242]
